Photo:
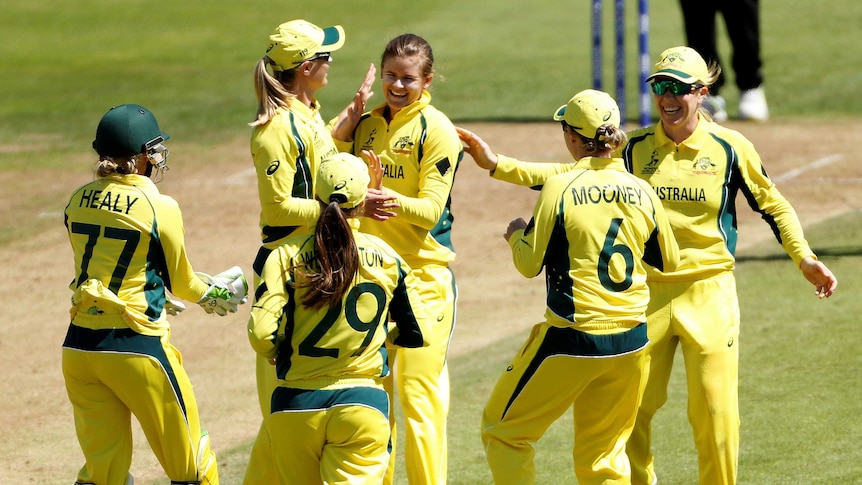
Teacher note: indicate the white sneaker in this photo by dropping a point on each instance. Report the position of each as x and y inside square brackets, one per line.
[752, 105]
[715, 106]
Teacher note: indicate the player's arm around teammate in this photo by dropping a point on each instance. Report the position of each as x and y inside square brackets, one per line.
[698, 167]
[420, 151]
[321, 316]
[593, 230]
[508, 169]
[129, 250]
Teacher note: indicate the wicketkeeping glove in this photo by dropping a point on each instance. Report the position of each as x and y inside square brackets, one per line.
[173, 305]
[227, 290]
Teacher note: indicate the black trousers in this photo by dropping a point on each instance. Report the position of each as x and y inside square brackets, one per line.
[742, 19]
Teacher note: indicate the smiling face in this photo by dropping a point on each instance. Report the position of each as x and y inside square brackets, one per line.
[679, 112]
[403, 80]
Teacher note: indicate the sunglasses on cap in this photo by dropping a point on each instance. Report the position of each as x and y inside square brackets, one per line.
[320, 55]
[677, 88]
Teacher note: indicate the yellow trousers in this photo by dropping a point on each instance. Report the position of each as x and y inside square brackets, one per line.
[112, 374]
[546, 378]
[333, 437]
[420, 377]
[701, 317]
[260, 469]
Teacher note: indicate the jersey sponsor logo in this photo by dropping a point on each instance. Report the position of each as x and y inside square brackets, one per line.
[681, 194]
[368, 144]
[273, 166]
[609, 194]
[703, 166]
[403, 145]
[95, 199]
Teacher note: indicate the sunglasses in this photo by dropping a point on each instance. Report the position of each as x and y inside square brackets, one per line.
[320, 55]
[676, 88]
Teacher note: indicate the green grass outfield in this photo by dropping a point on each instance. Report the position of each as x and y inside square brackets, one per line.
[64, 63]
[800, 369]
[191, 61]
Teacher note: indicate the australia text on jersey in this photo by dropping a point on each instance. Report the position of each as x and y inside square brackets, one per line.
[692, 194]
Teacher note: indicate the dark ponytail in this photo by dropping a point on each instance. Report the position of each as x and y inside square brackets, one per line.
[337, 257]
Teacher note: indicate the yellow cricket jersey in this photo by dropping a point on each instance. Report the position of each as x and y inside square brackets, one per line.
[342, 344]
[128, 242]
[286, 153]
[529, 174]
[420, 151]
[592, 230]
[697, 182]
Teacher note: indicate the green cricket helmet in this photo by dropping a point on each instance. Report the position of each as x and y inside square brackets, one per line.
[127, 130]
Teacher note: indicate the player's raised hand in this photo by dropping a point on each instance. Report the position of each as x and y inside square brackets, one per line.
[820, 276]
[478, 149]
[375, 169]
[346, 122]
[379, 204]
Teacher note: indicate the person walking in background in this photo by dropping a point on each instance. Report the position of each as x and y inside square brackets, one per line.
[288, 141]
[420, 151]
[593, 230]
[697, 167]
[129, 251]
[742, 19]
[321, 317]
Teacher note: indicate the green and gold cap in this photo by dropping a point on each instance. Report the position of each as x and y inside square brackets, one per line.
[588, 110]
[295, 41]
[683, 64]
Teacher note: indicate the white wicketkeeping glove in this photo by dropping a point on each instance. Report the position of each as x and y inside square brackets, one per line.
[227, 290]
[172, 305]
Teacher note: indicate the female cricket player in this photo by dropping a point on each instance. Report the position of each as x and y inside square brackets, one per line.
[420, 152]
[698, 168]
[127, 240]
[321, 316]
[593, 231]
[288, 142]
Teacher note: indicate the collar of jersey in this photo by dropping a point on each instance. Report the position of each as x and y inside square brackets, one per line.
[408, 111]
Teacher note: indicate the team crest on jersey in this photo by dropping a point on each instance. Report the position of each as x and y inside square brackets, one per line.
[652, 166]
[703, 166]
[403, 145]
[369, 142]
